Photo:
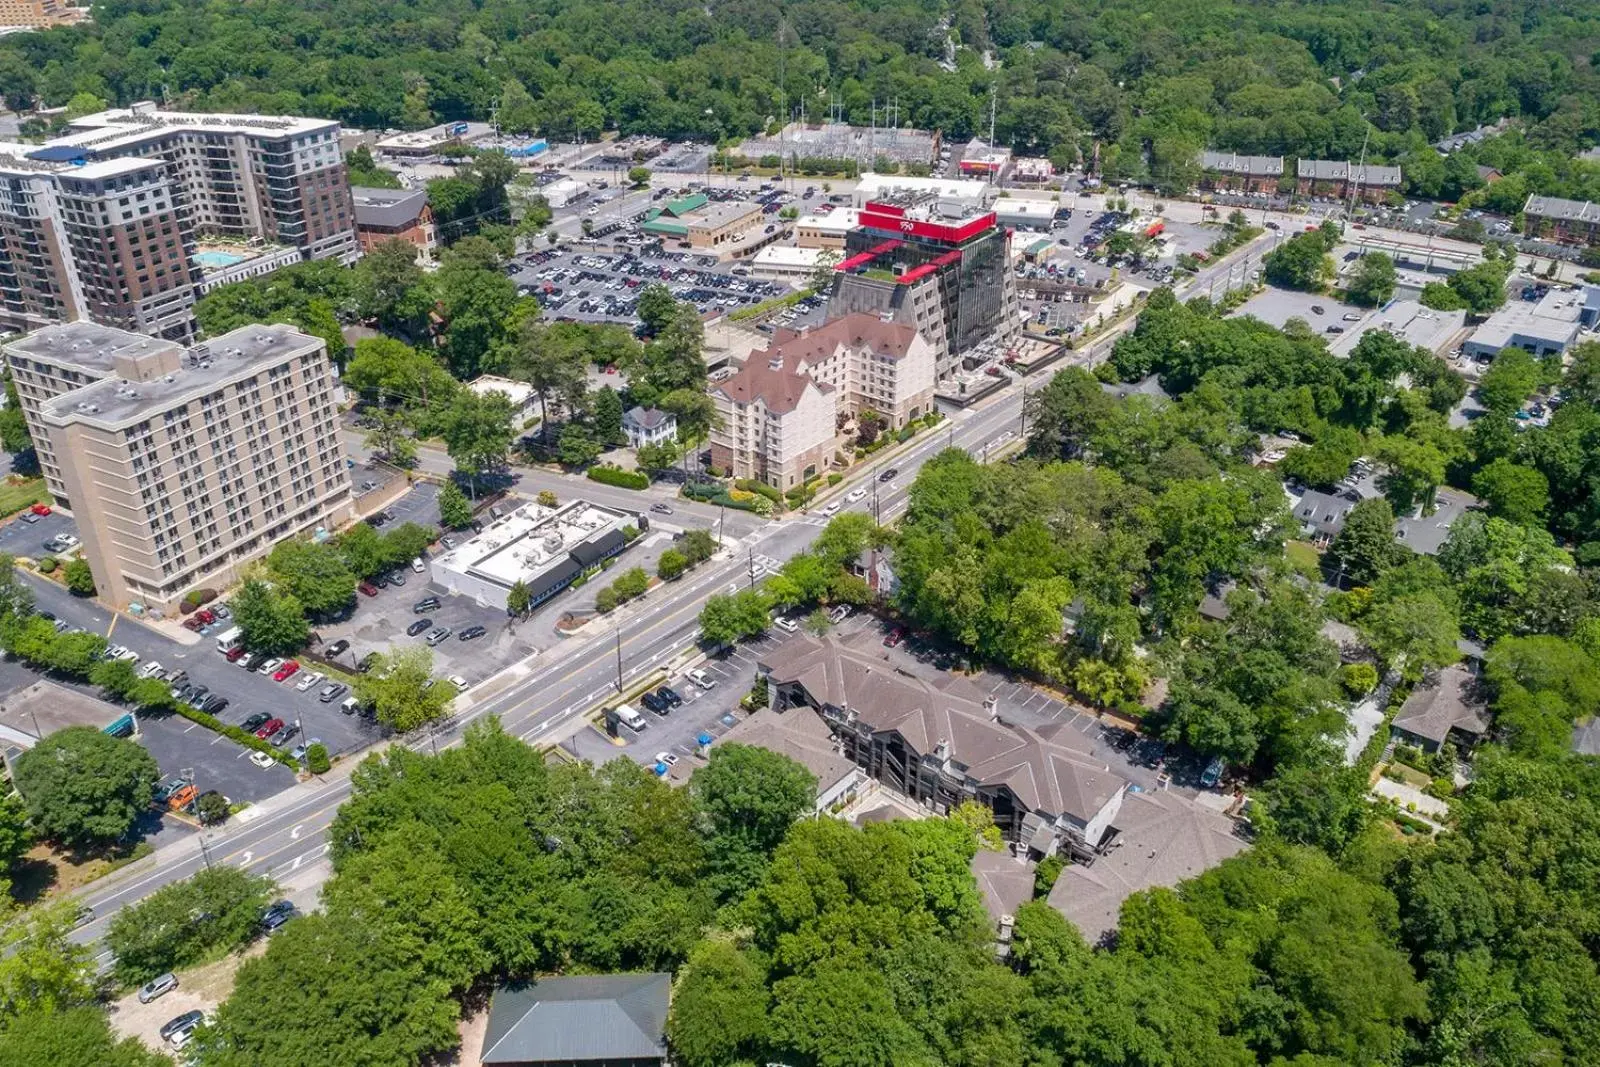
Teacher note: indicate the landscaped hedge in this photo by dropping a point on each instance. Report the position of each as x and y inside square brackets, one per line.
[618, 477]
[751, 485]
[196, 598]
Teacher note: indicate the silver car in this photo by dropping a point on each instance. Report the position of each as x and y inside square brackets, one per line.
[158, 987]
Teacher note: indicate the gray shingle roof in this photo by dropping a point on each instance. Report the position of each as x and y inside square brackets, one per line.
[1233, 163]
[389, 209]
[647, 418]
[1554, 207]
[1432, 711]
[605, 1017]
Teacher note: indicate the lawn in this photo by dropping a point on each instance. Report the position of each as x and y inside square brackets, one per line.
[1304, 559]
[18, 493]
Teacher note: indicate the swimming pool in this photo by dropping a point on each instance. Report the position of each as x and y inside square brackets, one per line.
[218, 260]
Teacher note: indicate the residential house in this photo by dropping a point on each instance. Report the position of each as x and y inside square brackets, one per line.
[649, 426]
[616, 1020]
[1231, 171]
[1321, 515]
[940, 747]
[1450, 708]
[393, 214]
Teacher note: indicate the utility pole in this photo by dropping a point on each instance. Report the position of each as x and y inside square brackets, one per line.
[1023, 432]
[618, 632]
[722, 517]
[752, 551]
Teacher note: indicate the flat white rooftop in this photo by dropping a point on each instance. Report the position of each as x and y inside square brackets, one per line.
[532, 540]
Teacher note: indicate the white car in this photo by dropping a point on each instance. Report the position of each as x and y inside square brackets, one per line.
[269, 666]
[666, 757]
[153, 669]
[262, 760]
[832, 509]
[702, 679]
[417, 566]
[787, 625]
[66, 541]
[840, 613]
[461, 684]
[856, 494]
[309, 680]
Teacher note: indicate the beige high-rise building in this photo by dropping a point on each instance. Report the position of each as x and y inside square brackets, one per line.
[181, 464]
[39, 13]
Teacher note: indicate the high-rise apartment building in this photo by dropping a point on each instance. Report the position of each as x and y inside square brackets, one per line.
[103, 223]
[181, 464]
[39, 13]
[936, 264]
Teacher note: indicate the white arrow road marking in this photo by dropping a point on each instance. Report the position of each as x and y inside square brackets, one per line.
[246, 857]
[294, 834]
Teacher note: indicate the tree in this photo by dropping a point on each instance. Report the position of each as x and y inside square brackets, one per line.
[519, 599]
[1513, 492]
[1581, 380]
[390, 287]
[272, 622]
[638, 176]
[331, 991]
[218, 909]
[85, 788]
[1414, 631]
[577, 446]
[402, 691]
[658, 457]
[605, 411]
[477, 432]
[1440, 297]
[1301, 262]
[15, 837]
[817, 623]
[16, 599]
[455, 511]
[671, 565]
[749, 797]
[656, 307]
[1326, 461]
[74, 1037]
[392, 372]
[315, 574]
[1508, 381]
[697, 546]
[1481, 287]
[518, 111]
[1372, 282]
[726, 619]
[553, 360]
[719, 1011]
[1365, 546]
[1066, 414]
[80, 579]
[1415, 469]
[390, 438]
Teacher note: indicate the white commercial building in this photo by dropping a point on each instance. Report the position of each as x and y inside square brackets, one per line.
[786, 263]
[1024, 213]
[521, 394]
[543, 548]
[966, 192]
[825, 229]
[1544, 328]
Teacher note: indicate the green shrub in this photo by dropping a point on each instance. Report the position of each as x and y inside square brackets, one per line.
[671, 565]
[606, 600]
[905, 434]
[1358, 679]
[48, 565]
[317, 761]
[834, 479]
[618, 477]
[244, 737]
[751, 485]
[630, 532]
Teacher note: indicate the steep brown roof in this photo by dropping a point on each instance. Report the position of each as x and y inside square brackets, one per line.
[1005, 883]
[855, 330]
[1163, 839]
[779, 387]
[801, 736]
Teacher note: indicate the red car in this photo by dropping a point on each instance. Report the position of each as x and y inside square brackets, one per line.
[40, 509]
[237, 654]
[894, 637]
[368, 589]
[192, 623]
[205, 616]
[285, 671]
[268, 728]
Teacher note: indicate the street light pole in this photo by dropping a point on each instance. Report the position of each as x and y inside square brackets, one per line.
[618, 632]
[722, 517]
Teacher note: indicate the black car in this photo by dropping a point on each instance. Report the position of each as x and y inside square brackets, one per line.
[427, 603]
[367, 662]
[471, 633]
[276, 914]
[381, 581]
[215, 704]
[420, 626]
[187, 1021]
[670, 695]
[338, 648]
[254, 721]
[888, 475]
[655, 703]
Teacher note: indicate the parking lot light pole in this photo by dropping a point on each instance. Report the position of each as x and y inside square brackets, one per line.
[618, 632]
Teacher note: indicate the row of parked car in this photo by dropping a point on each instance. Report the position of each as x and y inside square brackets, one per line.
[179, 1030]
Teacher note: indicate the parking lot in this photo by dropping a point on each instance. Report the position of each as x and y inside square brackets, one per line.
[605, 287]
[26, 534]
[1277, 306]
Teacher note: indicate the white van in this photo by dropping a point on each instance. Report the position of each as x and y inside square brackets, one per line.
[229, 639]
[630, 718]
